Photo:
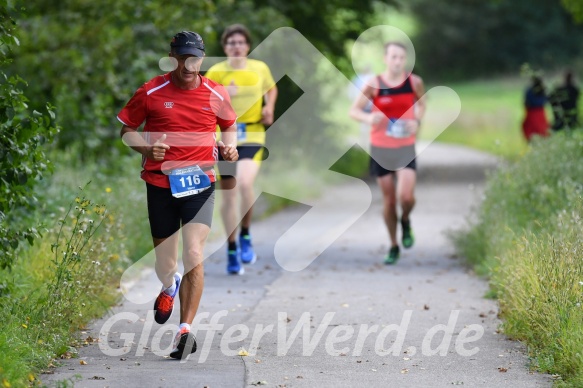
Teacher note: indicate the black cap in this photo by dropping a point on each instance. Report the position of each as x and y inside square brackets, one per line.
[188, 42]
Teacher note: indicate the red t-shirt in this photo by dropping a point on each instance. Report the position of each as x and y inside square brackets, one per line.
[187, 117]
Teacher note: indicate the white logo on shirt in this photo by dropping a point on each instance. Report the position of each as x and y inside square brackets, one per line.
[169, 105]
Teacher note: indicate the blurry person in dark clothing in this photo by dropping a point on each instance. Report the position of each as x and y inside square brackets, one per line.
[564, 101]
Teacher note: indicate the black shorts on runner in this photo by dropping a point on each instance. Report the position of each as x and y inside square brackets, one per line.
[384, 161]
[246, 151]
[167, 213]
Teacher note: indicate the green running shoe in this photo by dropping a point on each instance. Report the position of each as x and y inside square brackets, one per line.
[392, 256]
[408, 237]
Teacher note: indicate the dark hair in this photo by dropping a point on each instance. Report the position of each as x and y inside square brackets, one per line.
[395, 43]
[235, 29]
[538, 88]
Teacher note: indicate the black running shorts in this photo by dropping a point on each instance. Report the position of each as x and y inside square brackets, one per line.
[167, 213]
[384, 161]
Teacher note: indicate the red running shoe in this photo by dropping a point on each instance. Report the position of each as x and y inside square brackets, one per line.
[165, 303]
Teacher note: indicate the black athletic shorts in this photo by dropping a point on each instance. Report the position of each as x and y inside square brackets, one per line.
[384, 161]
[167, 213]
[246, 151]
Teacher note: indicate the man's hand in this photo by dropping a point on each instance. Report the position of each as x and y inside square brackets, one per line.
[267, 115]
[412, 126]
[232, 89]
[375, 118]
[229, 152]
[157, 151]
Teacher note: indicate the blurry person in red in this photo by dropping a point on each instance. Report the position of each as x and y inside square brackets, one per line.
[535, 121]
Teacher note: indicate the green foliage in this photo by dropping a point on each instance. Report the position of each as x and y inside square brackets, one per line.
[527, 237]
[64, 281]
[462, 39]
[24, 135]
[89, 57]
[575, 7]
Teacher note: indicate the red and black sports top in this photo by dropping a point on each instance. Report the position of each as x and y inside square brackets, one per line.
[395, 103]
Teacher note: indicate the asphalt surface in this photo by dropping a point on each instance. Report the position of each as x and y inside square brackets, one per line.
[346, 320]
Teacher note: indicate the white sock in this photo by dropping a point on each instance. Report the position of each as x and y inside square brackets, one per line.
[184, 325]
[170, 290]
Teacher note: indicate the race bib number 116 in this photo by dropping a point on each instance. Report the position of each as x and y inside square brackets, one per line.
[188, 181]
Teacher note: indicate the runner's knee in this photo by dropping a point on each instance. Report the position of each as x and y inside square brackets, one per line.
[192, 257]
[246, 187]
[407, 199]
[390, 201]
[166, 267]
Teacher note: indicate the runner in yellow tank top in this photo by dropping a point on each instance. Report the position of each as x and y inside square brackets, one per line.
[249, 83]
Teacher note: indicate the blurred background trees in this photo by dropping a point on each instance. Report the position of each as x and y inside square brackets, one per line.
[87, 57]
[461, 39]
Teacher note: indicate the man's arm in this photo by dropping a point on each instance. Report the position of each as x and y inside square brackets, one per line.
[133, 139]
[419, 90]
[267, 111]
[357, 109]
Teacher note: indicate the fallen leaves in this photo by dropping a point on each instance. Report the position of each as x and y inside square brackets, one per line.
[243, 352]
[83, 362]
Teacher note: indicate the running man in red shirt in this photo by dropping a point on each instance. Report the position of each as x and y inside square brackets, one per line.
[398, 107]
[181, 110]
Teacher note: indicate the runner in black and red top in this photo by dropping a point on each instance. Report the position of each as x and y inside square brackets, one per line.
[398, 107]
[178, 146]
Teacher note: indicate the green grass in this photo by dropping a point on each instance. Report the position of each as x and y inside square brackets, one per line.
[491, 117]
[527, 239]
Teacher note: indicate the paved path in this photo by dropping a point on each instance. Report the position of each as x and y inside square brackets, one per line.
[423, 322]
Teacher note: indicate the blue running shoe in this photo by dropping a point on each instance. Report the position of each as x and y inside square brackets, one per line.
[248, 255]
[234, 267]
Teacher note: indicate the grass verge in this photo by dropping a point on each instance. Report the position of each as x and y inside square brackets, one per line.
[57, 286]
[527, 238]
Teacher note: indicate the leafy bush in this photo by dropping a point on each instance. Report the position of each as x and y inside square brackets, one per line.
[23, 137]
